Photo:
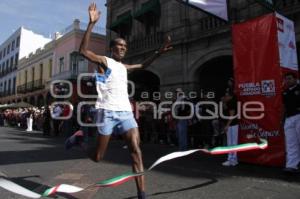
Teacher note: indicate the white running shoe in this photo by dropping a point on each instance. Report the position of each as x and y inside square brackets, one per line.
[229, 163]
[226, 164]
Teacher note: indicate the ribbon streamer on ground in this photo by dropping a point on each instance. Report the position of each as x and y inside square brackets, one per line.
[15, 188]
[213, 151]
[118, 180]
[63, 188]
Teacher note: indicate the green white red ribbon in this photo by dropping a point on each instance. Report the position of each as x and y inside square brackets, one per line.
[118, 180]
[214, 151]
[237, 148]
[63, 188]
[15, 188]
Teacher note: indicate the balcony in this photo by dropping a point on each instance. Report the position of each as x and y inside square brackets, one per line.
[7, 71]
[140, 43]
[21, 89]
[38, 84]
[6, 93]
[3, 73]
[10, 93]
[29, 86]
[210, 23]
[69, 75]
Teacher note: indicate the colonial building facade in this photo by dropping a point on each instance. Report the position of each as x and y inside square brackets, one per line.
[201, 60]
[34, 75]
[58, 60]
[19, 44]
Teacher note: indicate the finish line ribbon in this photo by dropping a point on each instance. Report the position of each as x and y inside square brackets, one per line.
[15, 188]
[118, 180]
[214, 151]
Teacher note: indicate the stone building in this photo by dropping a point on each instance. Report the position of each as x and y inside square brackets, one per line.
[201, 60]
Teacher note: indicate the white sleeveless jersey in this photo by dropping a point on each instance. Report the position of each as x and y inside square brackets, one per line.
[112, 87]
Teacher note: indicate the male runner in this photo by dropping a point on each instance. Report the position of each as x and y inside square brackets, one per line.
[114, 112]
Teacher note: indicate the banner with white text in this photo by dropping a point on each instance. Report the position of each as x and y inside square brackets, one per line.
[258, 79]
[287, 44]
[215, 7]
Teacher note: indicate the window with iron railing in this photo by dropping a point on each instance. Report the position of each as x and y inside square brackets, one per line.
[26, 76]
[29, 86]
[3, 68]
[19, 78]
[74, 62]
[141, 42]
[149, 15]
[50, 68]
[18, 42]
[122, 25]
[21, 89]
[33, 74]
[36, 84]
[7, 65]
[8, 49]
[9, 86]
[61, 64]
[13, 45]
[5, 87]
[16, 59]
[14, 86]
[41, 71]
[12, 62]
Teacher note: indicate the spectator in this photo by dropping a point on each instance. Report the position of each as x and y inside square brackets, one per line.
[291, 98]
[57, 111]
[29, 118]
[46, 125]
[231, 126]
[182, 110]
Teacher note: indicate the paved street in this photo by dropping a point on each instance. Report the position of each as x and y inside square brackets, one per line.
[37, 162]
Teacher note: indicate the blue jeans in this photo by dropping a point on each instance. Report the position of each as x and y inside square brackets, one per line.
[181, 130]
[232, 140]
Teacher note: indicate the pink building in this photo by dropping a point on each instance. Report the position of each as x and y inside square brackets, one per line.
[67, 62]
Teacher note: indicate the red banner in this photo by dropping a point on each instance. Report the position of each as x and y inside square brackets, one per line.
[258, 81]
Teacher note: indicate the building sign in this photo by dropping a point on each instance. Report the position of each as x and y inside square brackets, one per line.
[214, 7]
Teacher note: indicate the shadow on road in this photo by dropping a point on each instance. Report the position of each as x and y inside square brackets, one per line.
[180, 190]
[199, 164]
[40, 148]
[37, 187]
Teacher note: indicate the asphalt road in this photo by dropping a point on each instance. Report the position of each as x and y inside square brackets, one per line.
[38, 162]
